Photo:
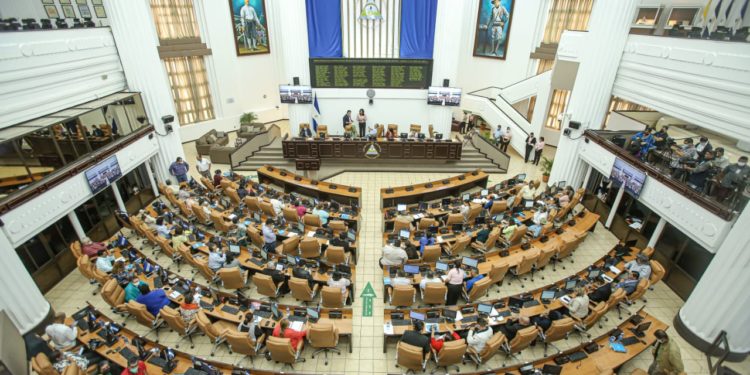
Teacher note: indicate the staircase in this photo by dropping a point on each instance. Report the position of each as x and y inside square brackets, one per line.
[471, 159]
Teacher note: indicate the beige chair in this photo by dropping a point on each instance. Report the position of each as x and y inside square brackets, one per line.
[402, 295]
[426, 222]
[233, 196]
[431, 130]
[497, 274]
[399, 225]
[311, 220]
[431, 253]
[614, 301]
[434, 294]
[489, 244]
[526, 264]
[331, 297]
[451, 354]
[267, 208]
[335, 255]
[301, 290]
[174, 321]
[166, 248]
[478, 291]
[381, 130]
[454, 219]
[545, 255]
[411, 357]
[498, 207]
[75, 248]
[337, 226]
[639, 291]
[143, 317]
[89, 271]
[255, 237]
[324, 337]
[243, 344]
[309, 248]
[648, 252]
[290, 215]
[266, 286]
[474, 210]
[215, 332]
[524, 338]
[657, 272]
[565, 250]
[252, 204]
[517, 236]
[290, 246]
[201, 264]
[208, 184]
[462, 241]
[114, 295]
[415, 128]
[558, 330]
[491, 347]
[200, 214]
[282, 351]
[233, 278]
[583, 325]
[322, 129]
[41, 365]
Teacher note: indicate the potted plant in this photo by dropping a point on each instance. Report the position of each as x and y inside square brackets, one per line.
[248, 118]
[546, 168]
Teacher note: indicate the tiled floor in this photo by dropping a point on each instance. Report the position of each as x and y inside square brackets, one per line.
[367, 357]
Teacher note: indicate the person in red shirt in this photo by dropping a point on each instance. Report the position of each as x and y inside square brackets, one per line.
[437, 343]
[217, 178]
[135, 367]
[301, 209]
[91, 248]
[282, 330]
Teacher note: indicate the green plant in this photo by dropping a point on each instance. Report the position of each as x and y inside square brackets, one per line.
[248, 118]
[546, 166]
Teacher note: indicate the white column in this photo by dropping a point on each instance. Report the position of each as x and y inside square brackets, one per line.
[21, 298]
[449, 19]
[613, 211]
[608, 31]
[588, 176]
[135, 35]
[290, 20]
[151, 180]
[76, 225]
[657, 232]
[118, 197]
[720, 300]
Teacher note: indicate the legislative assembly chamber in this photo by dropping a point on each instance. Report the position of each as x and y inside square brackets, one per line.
[257, 187]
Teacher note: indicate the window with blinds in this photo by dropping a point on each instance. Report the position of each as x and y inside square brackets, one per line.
[566, 15]
[181, 49]
[620, 104]
[556, 107]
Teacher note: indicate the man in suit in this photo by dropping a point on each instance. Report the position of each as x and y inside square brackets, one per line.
[415, 337]
[530, 142]
[276, 276]
[305, 132]
[341, 241]
[347, 119]
[301, 272]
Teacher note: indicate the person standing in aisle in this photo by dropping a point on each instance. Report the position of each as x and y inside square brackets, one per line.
[530, 142]
[538, 148]
[362, 121]
[204, 166]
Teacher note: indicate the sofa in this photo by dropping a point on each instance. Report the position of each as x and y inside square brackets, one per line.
[220, 154]
[207, 141]
[247, 130]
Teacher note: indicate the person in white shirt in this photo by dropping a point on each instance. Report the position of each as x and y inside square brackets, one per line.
[640, 265]
[175, 188]
[465, 209]
[538, 148]
[477, 337]
[400, 279]
[338, 281]
[183, 194]
[62, 336]
[540, 218]
[216, 258]
[505, 139]
[429, 278]
[528, 192]
[203, 166]
[249, 23]
[393, 255]
[278, 206]
[104, 261]
[579, 306]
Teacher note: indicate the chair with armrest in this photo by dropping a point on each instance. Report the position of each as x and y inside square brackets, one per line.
[208, 184]
[75, 248]
[201, 215]
[233, 196]
[558, 330]
[227, 183]
[311, 220]
[309, 248]
[322, 129]
[233, 278]
[498, 207]
[399, 225]
[517, 236]
[565, 249]
[256, 239]
[174, 321]
[434, 293]
[216, 332]
[497, 274]
[640, 290]
[657, 272]
[648, 252]
[614, 302]
[474, 210]
[526, 265]
[595, 313]
[265, 285]
[243, 344]
[331, 297]
[415, 128]
[335, 255]
[282, 351]
[290, 215]
[201, 264]
[252, 204]
[489, 244]
[143, 317]
[166, 248]
[491, 347]
[431, 130]
[426, 222]
[411, 357]
[324, 337]
[547, 228]
[289, 246]
[337, 226]
[546, 253]
[114, 296]
[431, 253]
[394, 128]
[524, 338]
[478, 291]
[381, 130]
[89, 271]
[401, 295]
[267, 208]
[451, 354]
[454, 219]
[185, 210]
[42, 365]
[462, 241]
[301, 290]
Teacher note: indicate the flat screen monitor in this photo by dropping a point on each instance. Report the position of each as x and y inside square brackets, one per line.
[103, 174]
[450, 96]
[571, 284]
[629, 176]
[480, 220]
[515, 302]
[484, 192]
[561, 184]
[548, 294]
[484, 308]
[529, 204]
[594, 273]
[469, 262]
[401, 207]
[275, 310]
[351, 236]
[291, 260]
[411, 268]
[313, 313]
[643, 327]
[432, 229]
[450, 314]
[416, 315]
[457, 227]
[234, 249]
[295, 94]
[264, 254]
[466, 197]
[445, 202]
[520, 177]
[441, 266]
[404, 233]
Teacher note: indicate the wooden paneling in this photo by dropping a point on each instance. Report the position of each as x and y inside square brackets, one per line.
[356, 149]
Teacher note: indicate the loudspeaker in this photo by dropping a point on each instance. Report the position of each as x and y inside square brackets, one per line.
[370, 101]
[168, 119]
[295, 80]
[566, 132]
[574, 125]
[446, 82]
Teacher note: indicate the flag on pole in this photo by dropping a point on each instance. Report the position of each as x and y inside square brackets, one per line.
[316, 114]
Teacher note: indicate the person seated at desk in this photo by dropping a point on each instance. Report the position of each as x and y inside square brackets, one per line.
[161, 229]
[539, 219]
[154, 300]
[249, 325]
[120, 274]
[661, 137]
[133, 291]
[687, 155]
[474, 277]
[216, 257]
[320, 211]
[484, 233]
[179, 238]
[734, 176]
[390, 134]
[104, 261]
[703, 146]
[629, 282]
[342, 241]
[478, 335]
[217, 178]
[278, 206]
[301, 272]
[189, 307]
[393, 254]
[240, 229]
[641, 265]
[183, 193]
[135, 367]
[305, 132]
[465, 210]
[96, 132]
[300, 208]
[509, 228]
[91, 248]
[282, 330]
[601, 294]
[403, 216]
[515, 323]
[411, 251]
[337, 280]
[400, 279]
[437, 342]
[276, 276]
[429, 278]
[232, 261]
[545, 319]
[530, 191]
[427, 239]
[564, 198]
[455, 282]
[700, 174]
[579, 305]
[269, 236]
[415, 337]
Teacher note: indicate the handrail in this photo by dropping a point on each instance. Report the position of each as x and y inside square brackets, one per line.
[490, 151]
[721, 338]
[253, 144]
[17, 198]
[682, 189]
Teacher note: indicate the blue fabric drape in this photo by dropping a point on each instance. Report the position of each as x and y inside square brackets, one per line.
[324, 28]
[418, 28]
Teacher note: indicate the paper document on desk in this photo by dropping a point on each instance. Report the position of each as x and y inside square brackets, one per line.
[614, 270]
[257, 319]
[120, 259]
[444, 277]
[174, 295]
[439, 238]
[232, 217]
[297, 326]
[607, 278]
[565, 299]
[311, 234]
[459, 316]
[418, 216]
[292, 234]
[494, 312]
[387, 330]
[496, 319]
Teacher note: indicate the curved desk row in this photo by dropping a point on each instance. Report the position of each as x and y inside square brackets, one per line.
[390, 197]
[291, 182]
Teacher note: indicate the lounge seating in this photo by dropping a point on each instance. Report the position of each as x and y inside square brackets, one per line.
[212, 139]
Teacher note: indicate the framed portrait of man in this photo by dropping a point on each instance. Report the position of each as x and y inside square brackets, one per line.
[250, 26]
[493, 28]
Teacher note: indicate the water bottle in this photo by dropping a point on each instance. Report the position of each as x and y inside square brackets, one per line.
[287, 311]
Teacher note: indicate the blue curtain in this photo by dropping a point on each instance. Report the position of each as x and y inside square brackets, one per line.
[417, 28]
[324, 28]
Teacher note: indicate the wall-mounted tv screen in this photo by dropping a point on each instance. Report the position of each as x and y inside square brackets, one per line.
[295, 94]
[444, 96]
[103, 174]
[628, 175]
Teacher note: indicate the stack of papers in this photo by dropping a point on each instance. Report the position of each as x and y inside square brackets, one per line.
[232, 216]
[311, 234]
[565, 299]
[387, 330]
[607, 278]
[297, 326]
[459, 316]
[418, 216]
[174, 295]
[614, 270]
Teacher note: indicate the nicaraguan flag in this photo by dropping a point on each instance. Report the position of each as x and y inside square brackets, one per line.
[316, 114]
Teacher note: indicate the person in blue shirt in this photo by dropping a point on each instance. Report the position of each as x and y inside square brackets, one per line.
[645, 142]
[426, 240]
[153, 299]
[179, 170]
[475, 276]
[320, 210]
[132, 291]
[629, 283]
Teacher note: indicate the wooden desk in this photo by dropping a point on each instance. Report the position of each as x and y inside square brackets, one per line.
[390, 197]
[291, 182]
[341, 148]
